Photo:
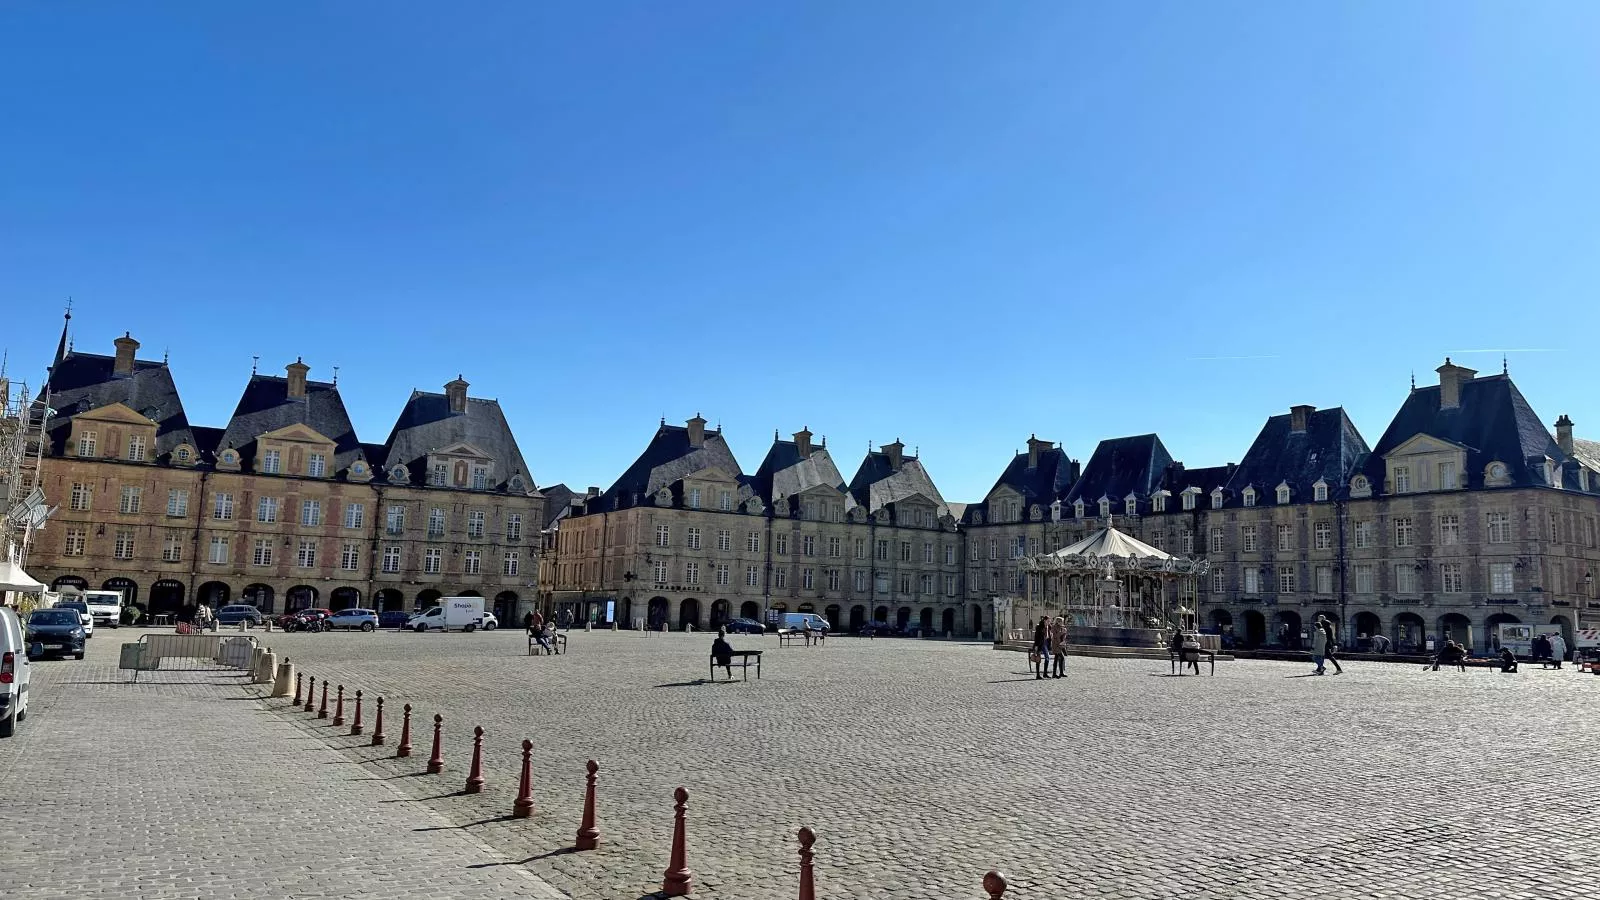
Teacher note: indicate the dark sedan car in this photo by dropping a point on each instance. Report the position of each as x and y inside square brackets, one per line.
[239, 612]
[886, 629]
[745, 626]
[393, 618]
[54, 632]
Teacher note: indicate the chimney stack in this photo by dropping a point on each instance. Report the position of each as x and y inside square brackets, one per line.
[1451, 378]
[1036, 447]
[896, 453]
[1564, 434]
[697, 431]
[126, 348]
[1299, 416]
[802, 442]
[456, 393]
[297, 378]
[592, 492]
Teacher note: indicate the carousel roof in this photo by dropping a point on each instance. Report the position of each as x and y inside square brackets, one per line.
[1109, 548]
[1109, 541]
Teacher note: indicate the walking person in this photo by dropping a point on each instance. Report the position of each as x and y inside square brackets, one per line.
[1041, 648]
[1319, 646]
[1558, 649]
[1330, 644]
[1058, 646]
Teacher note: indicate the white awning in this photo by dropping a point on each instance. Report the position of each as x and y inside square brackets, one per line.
[12, 578]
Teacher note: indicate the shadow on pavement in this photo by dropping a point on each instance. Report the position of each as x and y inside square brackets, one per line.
[468, 825]
[522, 862]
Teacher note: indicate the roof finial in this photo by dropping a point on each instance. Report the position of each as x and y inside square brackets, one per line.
[824, 442]
[1505, 367]
[663, 421]
[774, 434]
[335, 376]
[1413, 379]
[254, 362]
[164, 352]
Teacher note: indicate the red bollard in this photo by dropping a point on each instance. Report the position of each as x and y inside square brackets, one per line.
[475, 771]
[299, 678]
[808, 889]
[588, 831]
[523, 808]
[311, 695]
[678, 880]
[338, 711]
[377, 726]
[994, 884]
[355, 726]
[322, 712]
[436, 761]
[405, 734]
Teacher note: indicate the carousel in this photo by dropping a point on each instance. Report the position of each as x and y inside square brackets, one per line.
[1111, 588]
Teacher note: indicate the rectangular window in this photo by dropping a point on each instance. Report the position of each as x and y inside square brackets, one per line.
[316, 465]
[660, 571]
[1589, 532]
[925, 583]
[480, 478]
[949, 554]
[1188, 543]
[780, 545]
[1158, 539]
[1286, 579]
[780, 577]
[172, 549]
[1450, 580]
[905, 551]
[724, 540]
[222, 506]
[1216, 540]
[1402, 479]
[86, 443]
[306, 557]
[807, 578]
[1248, 532]
[1252, 580]
[350, 557]
[927, 551]
[1499, 528]
[1324, 535]
[1319, 492]
[861, 579]
[471, 562]
[123, 548]
[1219, 580]
[1501, 578]
[808, 545]
[438, 474]
[1405, 533]
[271, 462]
[1363, 579]
[949, 585]
[1447, 477]
[1324, 579]
[752, 576]
[354, 515]
[475, 523]
[663, 535]
[835, 548]
[130, 499]
[435, 522]
[136, 447]
[76, 539]
[691, 573]
[905, 582]
[1450, 529]
[694, 501]
[883, 550]
[992, 548]
[267, 509]
[692, 539]
[219, 550]
[262, 553]
[432, 558]
[752, 542]
[82, 496]
[1405, 577]
[514, 527]
[1555, 528]
[723, 576]
[725, 501]
[391, 559]
[861, 548]
[311, 513]
[395, 520]
[1285, 538]
[177, 503]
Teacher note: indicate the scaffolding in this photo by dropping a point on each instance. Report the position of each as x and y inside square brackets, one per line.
[23, 509]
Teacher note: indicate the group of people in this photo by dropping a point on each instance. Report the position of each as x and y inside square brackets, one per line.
[1550, 649]
[1049, 644]
[541, 630]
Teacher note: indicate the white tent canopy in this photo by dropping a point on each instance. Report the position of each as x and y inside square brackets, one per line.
[13, 578]
[1109, 541]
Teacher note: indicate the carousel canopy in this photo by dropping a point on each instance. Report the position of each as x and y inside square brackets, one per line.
[1109, 541]
[1109, 548]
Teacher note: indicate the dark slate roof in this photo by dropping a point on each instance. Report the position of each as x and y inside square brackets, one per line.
[558, 503]
[877, 483]
[426, 425]
[1045, 483]
[1329, 449]
[667, 460]
[1180, 478]
[1122, 466]
[266, 406]
[1494, 422]
[1587, 453]
[206, 442]
[81, 382]
[784, 473]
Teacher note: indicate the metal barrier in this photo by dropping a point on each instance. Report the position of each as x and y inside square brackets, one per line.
[151, 651]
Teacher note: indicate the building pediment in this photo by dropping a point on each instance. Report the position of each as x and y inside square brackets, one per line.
[1003, 492]
[713, 475]
[463, 449]
[298, 433]
[1419, 444]
[115, 414]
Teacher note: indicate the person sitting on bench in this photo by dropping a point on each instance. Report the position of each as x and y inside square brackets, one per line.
[722, 652]
[1451, 654]
[1508, 660]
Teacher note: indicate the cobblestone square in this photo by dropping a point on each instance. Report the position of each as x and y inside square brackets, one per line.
[920, 765]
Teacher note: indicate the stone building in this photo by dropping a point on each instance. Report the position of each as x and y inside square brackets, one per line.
[685, 536]
[284, 507]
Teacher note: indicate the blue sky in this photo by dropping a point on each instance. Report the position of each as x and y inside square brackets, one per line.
[948, 222]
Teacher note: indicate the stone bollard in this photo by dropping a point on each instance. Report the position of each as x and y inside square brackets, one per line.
[322, 711]
[436, 761]
[311, 696]
[269, 668]
[267, 624]
[377, 726]
[678, 881]
[405, 734]
[588, 830]
[523, 807]
[338, 709]
[994, 884]
[808, 890]
[286, 674]
[242, 624]
[298, 679]
[475, 771]
[355, 724]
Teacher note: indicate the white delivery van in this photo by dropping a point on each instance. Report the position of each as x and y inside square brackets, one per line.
[104, 606]
[797, 621]
[452, 614]
[13, 672]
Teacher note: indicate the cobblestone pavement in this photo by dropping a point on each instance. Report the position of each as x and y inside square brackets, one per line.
[921, 765]
[185, 788]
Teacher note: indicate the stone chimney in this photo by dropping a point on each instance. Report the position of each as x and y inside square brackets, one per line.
[592, 492]
[1299, 416]
[896, 453]
[802, 442]
[697, 431]
[456, 393]
[297, 378]
[1451, 378]
[1036, 447]
[1564, 434]
[126, 348]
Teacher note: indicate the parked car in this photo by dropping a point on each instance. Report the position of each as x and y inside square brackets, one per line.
[240, 612]
[745, 626]
[393, 618]
[352, 619]
[84, 616]
[14, 672]
[797, 621]
[490, 621]
[887, 629]
[54, 631]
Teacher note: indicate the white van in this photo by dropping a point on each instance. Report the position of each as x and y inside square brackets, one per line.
[797, 621]
[104, 606]
[452, 613]
[13, 672]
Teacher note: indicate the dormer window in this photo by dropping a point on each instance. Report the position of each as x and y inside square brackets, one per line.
[1216, 499]
[272, 462]
[1189, 498]
[1319, 491]
[438, 474]
[1283, 493]
[1360, 486]
[694, 498]
[1402, 479]
[359, 469]
[1552, 473]
[1077, 508]
[1249, 496]
[1158, 503]
[182, 454]
[516, 482]
[1131, 505]
[480, 478]
[136, 447]
[399, 475]
[316, 465]
[1105, 506]
[229, 458]
[87, 443]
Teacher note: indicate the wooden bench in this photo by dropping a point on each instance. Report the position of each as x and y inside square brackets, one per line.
[558, 645]
[1181, 658]
[741, 660]
[787, 636]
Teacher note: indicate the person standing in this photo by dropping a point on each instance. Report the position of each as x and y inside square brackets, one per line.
[1558, 649]
[1041, 648]
[1058, 644]
[1330, 644]
[1319, 646]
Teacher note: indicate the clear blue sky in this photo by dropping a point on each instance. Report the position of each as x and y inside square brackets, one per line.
[949, 222]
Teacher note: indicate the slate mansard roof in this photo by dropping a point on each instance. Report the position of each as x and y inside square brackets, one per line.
[1493, 422]
[1121, 466]
[80, 382]
[1329, 449]
[426, 425]
[266, 406]
[877, 483]
[1044, 483]
[667, 459]
[785, 473]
